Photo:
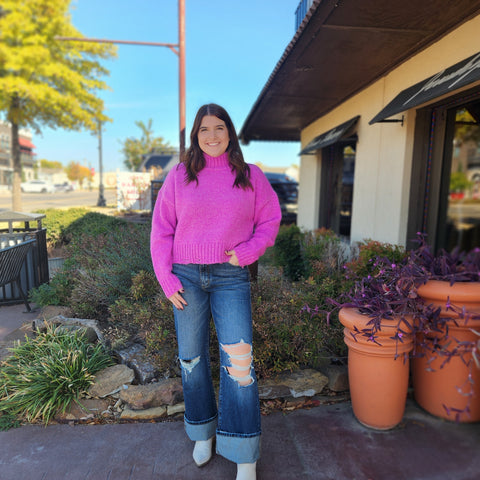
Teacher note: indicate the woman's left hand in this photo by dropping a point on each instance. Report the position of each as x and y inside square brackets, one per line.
[233, 258]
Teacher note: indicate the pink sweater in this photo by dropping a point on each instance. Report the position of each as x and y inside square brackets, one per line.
[198, 223]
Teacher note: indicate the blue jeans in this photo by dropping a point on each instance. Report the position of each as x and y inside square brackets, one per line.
[221, 291]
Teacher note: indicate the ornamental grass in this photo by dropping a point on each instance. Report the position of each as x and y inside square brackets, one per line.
[44, 375]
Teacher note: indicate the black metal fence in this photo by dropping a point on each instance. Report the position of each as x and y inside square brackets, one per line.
[35, 269]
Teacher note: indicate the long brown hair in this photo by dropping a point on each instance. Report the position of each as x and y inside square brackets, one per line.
[194, 160]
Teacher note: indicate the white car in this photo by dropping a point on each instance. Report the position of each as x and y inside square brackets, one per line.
[37, 186]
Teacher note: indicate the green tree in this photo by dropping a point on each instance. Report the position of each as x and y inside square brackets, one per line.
[50, 164]
[459, 182]
[133, 149]
[43, 80]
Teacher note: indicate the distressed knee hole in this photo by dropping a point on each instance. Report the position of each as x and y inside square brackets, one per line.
[240, 355]
[189, 365]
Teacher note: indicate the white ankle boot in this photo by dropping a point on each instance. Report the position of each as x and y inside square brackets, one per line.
[202, 452]
[246, 471]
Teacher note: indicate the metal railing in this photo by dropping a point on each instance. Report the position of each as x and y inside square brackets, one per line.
[35, 269]
[302, 10]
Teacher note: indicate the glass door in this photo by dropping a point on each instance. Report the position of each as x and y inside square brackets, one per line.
[459, 208]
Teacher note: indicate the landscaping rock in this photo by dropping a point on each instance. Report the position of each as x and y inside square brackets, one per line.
[89, 407]
[52, 311]
[148, 414]
[134, 356]
[337, 377]
[174, 409]
[88, 332]
[303, 383]
[39, 324]
[111, 380]
[164, 392]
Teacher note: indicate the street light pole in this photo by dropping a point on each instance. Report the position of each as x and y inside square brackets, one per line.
[101, 199]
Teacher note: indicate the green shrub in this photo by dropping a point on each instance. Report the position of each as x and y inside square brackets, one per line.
[288, 252]
[98, 270]
[46, 374]
[57, 292]
[104, 267]
[64, 225]
[324, 255]
[317, 244]
[285, 336]
[57, 220]
[92, 224]
[147, 316]
[144, 285]
[81, 230]
[364, 263]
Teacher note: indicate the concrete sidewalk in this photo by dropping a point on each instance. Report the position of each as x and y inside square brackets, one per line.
[326, 442]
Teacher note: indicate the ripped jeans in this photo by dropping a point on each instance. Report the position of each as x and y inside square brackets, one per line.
[221, 291]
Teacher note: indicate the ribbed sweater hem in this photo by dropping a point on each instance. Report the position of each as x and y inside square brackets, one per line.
[200, 253]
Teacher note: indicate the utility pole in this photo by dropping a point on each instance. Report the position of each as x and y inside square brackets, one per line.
[177, 48]
[181, 74]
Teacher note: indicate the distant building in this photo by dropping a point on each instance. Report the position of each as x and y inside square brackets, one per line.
[158, 164]
[27, 155]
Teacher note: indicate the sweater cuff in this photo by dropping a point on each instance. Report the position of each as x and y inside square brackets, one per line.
[170, 284]
[245, 255]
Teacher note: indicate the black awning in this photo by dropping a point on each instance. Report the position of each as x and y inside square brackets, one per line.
[462, 73]
[341, 132]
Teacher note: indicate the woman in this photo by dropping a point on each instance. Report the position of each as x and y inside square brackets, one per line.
[214, 216]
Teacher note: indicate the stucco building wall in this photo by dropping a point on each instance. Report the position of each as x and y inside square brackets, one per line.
[384, 150]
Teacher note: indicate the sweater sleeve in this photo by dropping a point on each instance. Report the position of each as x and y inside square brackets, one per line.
[267, 217]
[164, 221]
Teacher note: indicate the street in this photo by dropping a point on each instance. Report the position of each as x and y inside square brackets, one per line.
[32, 202]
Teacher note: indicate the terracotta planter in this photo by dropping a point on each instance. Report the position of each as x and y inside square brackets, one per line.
[436, 387]
[378, 374]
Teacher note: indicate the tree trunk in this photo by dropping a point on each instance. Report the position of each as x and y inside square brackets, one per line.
[17, 164]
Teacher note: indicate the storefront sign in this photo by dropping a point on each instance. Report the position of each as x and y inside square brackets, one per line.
[448, 80]
[329, 138]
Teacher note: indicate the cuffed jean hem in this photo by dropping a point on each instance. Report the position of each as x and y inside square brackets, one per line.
[201, 431]
[238, 449]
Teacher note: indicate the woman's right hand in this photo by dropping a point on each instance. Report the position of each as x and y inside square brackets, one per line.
[177, 300]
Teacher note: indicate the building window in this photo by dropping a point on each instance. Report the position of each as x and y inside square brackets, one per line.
[336, 197]
[446, 174]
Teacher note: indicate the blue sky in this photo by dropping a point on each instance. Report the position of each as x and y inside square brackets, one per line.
[232, 47]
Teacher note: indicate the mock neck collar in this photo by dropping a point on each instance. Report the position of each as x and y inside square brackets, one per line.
[216, 162]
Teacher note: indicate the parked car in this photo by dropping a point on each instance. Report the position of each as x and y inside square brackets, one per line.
[286, 189]
[37, 186]
[63, 187]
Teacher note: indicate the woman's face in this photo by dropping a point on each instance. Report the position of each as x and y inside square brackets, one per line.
[213, 136]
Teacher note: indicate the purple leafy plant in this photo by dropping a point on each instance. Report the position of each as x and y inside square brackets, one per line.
[383, 294]
[455, 266]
